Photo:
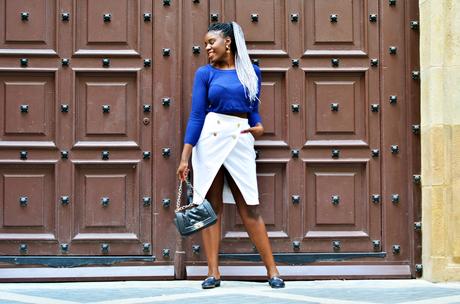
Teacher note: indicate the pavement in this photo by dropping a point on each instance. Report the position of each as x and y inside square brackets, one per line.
[190, 292]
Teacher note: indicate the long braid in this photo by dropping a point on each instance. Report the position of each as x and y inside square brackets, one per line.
[243, 65]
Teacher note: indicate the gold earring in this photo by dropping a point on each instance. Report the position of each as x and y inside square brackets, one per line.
[228, 49]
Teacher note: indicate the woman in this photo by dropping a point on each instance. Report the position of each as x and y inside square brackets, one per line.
[221, 131]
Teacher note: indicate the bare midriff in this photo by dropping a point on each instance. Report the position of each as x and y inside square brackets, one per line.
[242, 115]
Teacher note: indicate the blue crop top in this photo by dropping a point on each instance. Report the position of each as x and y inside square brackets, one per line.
[220, 91]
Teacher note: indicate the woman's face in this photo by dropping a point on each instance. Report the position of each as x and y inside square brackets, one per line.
[215, 46]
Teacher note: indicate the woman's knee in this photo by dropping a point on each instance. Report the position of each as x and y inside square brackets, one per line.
[251, 212]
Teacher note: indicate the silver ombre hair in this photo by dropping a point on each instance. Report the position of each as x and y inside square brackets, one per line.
[243, 64]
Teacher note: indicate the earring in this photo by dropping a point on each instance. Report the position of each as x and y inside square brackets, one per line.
[228, 49]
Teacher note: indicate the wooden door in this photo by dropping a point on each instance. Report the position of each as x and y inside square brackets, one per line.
[76, 131]
[326, 161]
[95, 96]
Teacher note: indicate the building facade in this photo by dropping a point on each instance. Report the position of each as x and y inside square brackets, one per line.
[96, 95]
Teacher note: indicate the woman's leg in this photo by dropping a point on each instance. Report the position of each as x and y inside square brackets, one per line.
[255, 227]
[211, 235]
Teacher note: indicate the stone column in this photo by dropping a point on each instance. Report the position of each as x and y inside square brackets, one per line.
[440, 138]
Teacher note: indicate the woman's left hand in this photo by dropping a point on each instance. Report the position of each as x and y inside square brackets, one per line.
[256, 131]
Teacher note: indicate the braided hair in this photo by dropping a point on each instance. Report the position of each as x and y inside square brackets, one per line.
[243, 65]
[227, 31]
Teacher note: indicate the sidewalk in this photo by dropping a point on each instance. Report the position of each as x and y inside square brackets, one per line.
[190, 292]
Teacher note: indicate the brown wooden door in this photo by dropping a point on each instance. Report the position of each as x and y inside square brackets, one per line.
[326, 160]
[310, 112]
[95, 96]
[73, 105]
[338, 130]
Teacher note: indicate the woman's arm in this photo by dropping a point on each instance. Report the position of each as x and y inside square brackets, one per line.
[195, 120]
[198, 112]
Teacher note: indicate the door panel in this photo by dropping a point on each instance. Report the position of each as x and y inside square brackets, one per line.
[336, 107]
[273, 109]
[335, 26]
[107, 108]
[106, 209]
[29, 102]
[107, 26]
[338, 208]
[27, 26]
[28, 216]
[271, 179]
[262, 21]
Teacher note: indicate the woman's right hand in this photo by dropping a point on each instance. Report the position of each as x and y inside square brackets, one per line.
[182, 170]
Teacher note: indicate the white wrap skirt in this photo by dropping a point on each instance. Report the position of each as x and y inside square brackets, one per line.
[222, 143]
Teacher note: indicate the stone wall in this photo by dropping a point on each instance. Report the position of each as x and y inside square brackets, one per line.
[440, 138]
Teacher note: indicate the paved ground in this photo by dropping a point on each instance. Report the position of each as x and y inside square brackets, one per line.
[190, 292]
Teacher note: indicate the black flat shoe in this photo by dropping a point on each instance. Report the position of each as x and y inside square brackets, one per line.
[276, 282]
[210, 282]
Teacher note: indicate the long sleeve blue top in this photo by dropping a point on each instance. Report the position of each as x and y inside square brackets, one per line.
[220, 91]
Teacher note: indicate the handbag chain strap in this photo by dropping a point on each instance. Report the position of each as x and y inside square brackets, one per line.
[179, 194]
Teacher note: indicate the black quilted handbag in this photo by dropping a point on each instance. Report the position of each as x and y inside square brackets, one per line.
[192, 217]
